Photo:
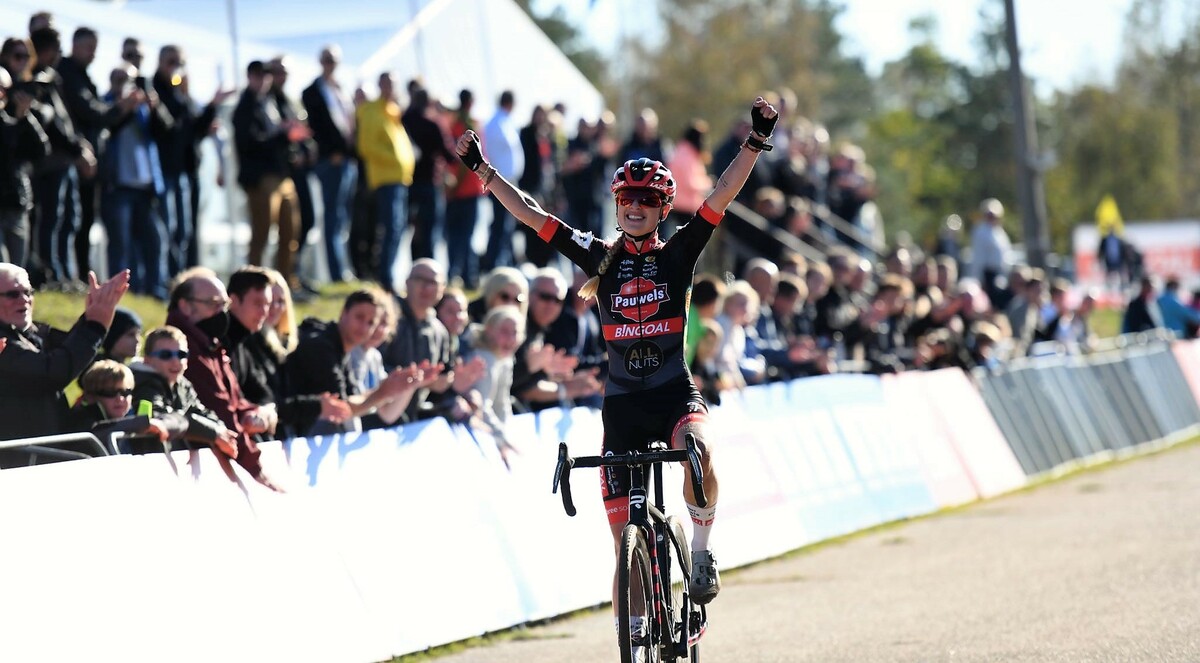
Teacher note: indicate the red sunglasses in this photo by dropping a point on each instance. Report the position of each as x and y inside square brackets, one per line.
[643, 198]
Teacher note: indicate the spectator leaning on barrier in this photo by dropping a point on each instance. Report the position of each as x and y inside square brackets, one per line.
[23, 143]
[321, 366]
[159, 381]
[107, 394]
[199, 307]
[39, 362]
[258, 367]
[1176, 315]
[1142, 313]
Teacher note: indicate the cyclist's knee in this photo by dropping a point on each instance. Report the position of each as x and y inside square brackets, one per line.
[697, 429]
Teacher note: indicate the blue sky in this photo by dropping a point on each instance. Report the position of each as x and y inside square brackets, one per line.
[1064, 42]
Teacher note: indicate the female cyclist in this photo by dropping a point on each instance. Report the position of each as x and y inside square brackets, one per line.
[642, 285]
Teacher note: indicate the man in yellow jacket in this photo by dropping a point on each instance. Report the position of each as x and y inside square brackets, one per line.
[388, 157]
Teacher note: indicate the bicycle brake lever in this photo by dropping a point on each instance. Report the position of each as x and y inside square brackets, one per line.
[562, 476]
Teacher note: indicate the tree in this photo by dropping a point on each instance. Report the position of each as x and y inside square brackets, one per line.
[570, 41]
[714, 60]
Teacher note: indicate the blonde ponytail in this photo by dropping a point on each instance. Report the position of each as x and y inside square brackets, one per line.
[588, 289]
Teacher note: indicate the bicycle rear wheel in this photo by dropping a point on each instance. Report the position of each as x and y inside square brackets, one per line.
[634, 599]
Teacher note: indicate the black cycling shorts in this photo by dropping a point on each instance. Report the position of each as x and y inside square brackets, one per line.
[632, 421]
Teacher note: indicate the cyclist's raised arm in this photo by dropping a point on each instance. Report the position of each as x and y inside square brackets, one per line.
[518, 203]
[763, 117]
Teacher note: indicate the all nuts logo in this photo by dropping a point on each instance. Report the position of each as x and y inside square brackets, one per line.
[638, 299]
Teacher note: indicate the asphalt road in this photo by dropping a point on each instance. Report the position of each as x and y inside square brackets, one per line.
[1102, 566]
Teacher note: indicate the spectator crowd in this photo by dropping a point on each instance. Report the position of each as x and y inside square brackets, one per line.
[477, 339]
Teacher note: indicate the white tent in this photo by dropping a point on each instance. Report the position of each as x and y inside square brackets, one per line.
[487, 46]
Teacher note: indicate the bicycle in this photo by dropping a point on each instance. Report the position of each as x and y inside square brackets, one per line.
[673, 624]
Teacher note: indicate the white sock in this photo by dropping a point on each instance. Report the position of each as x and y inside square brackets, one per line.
[702, 520]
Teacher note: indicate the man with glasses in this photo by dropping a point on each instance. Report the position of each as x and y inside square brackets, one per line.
[544, 374]
[39, 361]
[199, 307]
[422, 339]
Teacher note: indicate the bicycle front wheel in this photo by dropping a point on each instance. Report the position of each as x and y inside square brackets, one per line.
[635, 593]
[679, 614]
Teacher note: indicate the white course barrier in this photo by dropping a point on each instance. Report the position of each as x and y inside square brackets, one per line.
[395, 541]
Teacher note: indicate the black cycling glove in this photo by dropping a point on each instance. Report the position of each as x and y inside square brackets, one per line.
[474, 156]
[762, 124]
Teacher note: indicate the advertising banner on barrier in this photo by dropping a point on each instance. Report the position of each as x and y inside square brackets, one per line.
[912, 419]
[987, 458]
[1187, 353]
[393, 541]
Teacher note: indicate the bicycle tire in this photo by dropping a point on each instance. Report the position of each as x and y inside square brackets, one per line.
[635, 567]
[680, 554]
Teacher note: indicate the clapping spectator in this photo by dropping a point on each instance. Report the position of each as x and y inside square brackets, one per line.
[366, 371]
[39, 361]
[544, 374]
[320, 366]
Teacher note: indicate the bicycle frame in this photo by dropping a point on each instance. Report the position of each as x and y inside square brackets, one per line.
[650, 518]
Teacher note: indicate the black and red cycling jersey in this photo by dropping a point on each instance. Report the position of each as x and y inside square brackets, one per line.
[643, 298]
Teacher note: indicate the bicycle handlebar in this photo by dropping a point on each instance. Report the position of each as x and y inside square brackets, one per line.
[562, 472]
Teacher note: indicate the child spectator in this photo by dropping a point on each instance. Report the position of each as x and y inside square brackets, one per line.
[107, 390]
[707, 293]
[158, 380]
[710, 379]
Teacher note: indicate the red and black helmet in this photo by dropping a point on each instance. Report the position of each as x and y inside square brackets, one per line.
[645, 174]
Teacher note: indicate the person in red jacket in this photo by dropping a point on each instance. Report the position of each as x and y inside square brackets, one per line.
[199, 306]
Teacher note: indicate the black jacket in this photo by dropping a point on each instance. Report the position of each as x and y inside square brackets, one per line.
[22, 142]
[66, 145]
[177, 147]
[35, 368]
[264, 379]
[189, 423]
[318, 365]
[90, 114]
[330, 140]
[259, 140]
